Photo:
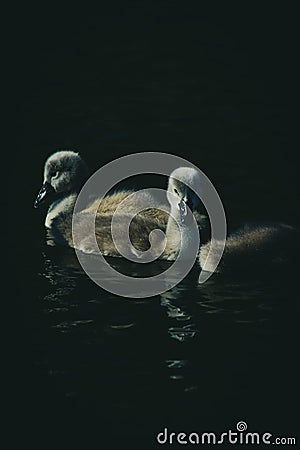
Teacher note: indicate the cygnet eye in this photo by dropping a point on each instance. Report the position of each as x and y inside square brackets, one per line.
[176, 192]
[55, 174]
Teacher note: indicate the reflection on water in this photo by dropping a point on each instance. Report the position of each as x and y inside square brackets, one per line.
[209, 350]
[170, 300]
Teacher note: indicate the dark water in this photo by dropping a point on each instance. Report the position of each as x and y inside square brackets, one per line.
[218, 90]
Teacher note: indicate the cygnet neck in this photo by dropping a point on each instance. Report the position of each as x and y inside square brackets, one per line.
[62, 204]
[180, 235]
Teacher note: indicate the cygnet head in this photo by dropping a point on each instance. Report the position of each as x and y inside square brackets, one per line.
[184, 183]
[64, 172]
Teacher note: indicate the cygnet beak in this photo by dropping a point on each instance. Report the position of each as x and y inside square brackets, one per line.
[45, 192]
[186, 208]
[183, 210]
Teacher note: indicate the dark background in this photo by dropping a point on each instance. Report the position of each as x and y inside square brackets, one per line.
[216, 87]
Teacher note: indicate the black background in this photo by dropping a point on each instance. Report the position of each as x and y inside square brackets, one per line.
[217, 87]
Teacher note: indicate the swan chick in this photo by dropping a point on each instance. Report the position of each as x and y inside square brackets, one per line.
[181, 236]
[65, 172]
